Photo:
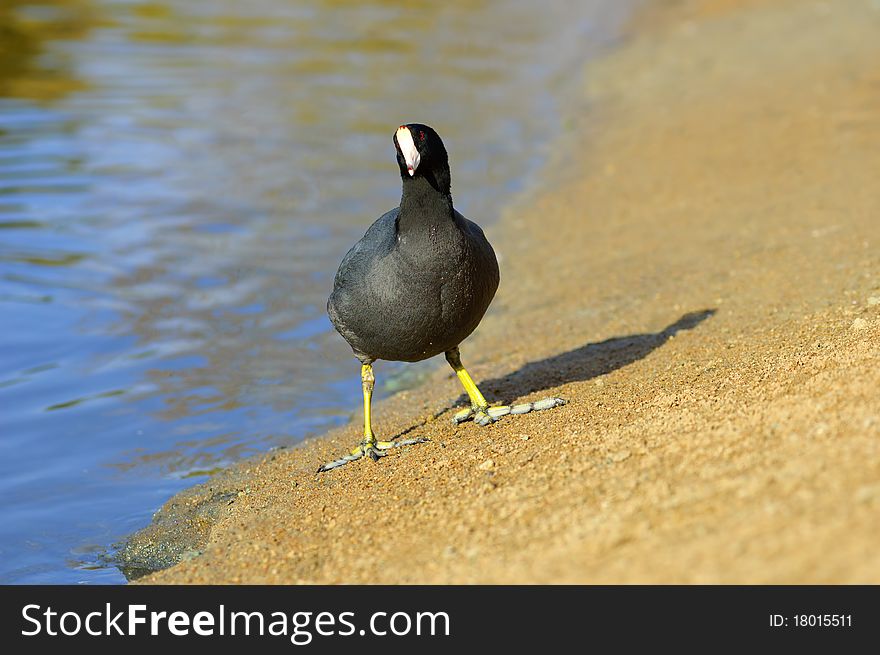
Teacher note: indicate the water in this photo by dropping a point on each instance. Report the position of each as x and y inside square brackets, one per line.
[178, 181]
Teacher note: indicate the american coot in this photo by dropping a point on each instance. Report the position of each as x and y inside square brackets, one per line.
[417, 284]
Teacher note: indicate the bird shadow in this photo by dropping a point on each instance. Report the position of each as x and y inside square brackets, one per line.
[585, 362]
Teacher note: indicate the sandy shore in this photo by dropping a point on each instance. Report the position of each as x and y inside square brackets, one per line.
[700, 276]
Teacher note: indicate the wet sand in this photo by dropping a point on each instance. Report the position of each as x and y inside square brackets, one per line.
[698, 273]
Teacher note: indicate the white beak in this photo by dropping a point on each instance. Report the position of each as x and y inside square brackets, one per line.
[408, 148]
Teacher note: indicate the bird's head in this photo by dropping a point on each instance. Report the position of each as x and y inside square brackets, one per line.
[421, 153]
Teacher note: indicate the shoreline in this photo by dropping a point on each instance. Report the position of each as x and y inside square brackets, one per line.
[719, 356]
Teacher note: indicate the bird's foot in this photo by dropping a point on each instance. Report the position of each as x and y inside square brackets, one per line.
[486, 415]
[371, 448]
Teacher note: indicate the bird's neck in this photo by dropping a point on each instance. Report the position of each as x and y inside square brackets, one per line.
[423, 204]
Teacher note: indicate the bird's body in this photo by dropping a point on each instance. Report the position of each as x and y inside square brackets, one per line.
[417, 284]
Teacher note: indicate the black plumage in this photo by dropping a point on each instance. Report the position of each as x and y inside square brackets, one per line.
[420, 280]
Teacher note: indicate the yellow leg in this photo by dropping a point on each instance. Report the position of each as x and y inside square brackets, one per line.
[369, 446]
[473, 392]
[479, 410]
[478, 401]
[368, 380]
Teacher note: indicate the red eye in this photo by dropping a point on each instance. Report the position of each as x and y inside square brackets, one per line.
[421, 135]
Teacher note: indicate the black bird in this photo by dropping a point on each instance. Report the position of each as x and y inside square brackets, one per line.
[417, 284]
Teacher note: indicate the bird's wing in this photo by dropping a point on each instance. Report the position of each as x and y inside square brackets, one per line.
[376, 242]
